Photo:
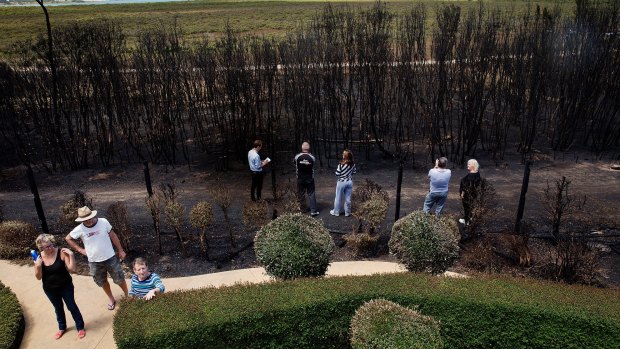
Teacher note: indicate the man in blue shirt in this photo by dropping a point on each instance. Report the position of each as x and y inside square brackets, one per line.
[256, 167]
[440, 178]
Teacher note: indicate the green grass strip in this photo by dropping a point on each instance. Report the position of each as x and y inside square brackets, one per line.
[204, 17]
[485, 312]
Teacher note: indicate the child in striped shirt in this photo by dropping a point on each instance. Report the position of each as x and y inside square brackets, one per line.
[144, 284]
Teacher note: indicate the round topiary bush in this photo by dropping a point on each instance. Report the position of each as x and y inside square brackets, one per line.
[294, 245]
[424, 242]
[380, 323]
[16, 239]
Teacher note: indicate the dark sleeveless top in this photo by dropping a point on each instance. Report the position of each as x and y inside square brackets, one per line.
[56, 275]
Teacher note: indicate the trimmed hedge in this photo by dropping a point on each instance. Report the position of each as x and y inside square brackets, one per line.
[483, 312]
[11, 319]
[424, 242]
[380, 323]
[294, 246]
[16, 239]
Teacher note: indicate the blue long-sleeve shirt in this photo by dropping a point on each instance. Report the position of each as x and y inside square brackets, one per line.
[141, 288]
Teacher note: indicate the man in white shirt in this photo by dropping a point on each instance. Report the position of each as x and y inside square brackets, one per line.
[256, 167]
[97, 236]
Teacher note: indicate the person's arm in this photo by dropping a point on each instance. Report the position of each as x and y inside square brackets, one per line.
[74, 245]
[117, 244]
[38, 268]
[338, 170]
[68, 258]
[159, 287]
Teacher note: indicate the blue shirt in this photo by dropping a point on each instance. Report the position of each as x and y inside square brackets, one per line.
[141, 288]
[254, 161]
[440, 177]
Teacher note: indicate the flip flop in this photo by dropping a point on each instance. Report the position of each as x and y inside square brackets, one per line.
[81, 334]
[112, 306]
[59, 334]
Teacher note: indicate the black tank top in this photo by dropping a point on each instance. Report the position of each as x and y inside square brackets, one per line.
[56, 275]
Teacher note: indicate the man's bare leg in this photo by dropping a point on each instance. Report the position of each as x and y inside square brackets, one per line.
[123, 286]
[108, 291]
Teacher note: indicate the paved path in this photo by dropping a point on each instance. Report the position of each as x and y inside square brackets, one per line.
[41, 321]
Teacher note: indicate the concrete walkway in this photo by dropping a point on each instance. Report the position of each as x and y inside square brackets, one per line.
[41, 321]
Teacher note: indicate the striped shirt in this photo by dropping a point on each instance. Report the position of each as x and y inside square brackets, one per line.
[141, 288]
[345, 172]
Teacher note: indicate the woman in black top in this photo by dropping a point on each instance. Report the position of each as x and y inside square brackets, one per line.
[470, 185]
[53, 266]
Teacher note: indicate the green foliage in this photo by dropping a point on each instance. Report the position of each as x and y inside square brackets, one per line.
[11, 319]
[201, 217]
[294, 245]
[380, 323]
[16, 239]
[483, 312]
[223, 197]
[174, 213]
[424, 242]
[173, 209]
[373, 211]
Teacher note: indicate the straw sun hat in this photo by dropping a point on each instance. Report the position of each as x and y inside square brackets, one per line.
[84, 214]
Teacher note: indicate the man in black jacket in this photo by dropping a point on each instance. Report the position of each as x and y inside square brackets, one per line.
[304, 165]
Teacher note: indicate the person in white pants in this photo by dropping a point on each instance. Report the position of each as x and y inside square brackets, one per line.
[344, 186]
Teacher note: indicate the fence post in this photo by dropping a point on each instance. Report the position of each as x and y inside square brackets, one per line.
[274, 187]
[526, 181]
[37, 200]
[398, 187]
[147, 178]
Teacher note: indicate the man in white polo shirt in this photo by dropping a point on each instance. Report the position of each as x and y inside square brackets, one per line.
[97, 236]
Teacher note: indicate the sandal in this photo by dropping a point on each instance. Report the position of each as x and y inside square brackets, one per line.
[112, 306]
[81, 334]
[59, 334]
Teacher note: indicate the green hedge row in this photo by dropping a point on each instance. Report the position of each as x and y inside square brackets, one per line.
[11, 319]
[482, 312]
